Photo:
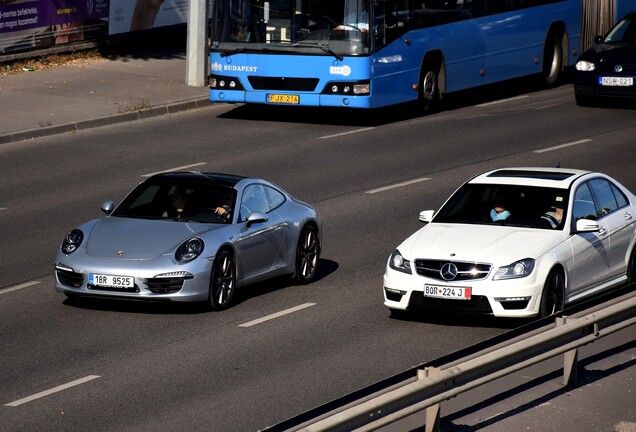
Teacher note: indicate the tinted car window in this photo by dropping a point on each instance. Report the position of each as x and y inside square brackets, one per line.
[275, 198]
[621, 199]
[254, 199]
[474, 203]
[584, 207]
[604, 196]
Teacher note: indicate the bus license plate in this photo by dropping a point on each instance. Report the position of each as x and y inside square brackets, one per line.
[447, 292]
[616, 81]
[111, 281]
[289, 99]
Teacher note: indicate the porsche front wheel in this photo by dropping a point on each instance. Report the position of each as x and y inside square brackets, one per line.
[222, 281]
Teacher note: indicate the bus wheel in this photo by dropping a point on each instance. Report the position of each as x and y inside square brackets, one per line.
[552, 59]
[429, 92]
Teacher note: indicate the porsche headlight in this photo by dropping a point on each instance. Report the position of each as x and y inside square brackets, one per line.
[397, 262]
[72, 241]
[585, 66]
[189, 250]
[518, 269]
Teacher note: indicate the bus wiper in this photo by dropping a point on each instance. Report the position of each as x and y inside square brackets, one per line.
[228, 53]
[325, 48]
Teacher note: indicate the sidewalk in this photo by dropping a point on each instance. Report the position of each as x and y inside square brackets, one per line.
[95, 93]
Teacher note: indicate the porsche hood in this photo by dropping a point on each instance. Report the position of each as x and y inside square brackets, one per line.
[139, 239]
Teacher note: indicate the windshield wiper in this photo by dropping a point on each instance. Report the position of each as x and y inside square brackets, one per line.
[228, 53]
[325, 48]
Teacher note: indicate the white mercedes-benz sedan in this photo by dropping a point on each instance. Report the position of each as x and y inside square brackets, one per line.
[517, 242]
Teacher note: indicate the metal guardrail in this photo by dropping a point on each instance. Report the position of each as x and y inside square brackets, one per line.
[433, 385]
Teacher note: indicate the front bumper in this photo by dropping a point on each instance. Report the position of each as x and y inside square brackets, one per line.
[513, 298]
[158, 280]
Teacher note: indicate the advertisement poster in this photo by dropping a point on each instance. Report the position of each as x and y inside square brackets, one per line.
[32, 24]
[132, 15]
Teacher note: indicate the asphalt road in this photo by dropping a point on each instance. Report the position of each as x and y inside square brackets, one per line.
[155, 367]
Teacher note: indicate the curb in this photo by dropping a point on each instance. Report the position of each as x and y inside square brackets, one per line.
[155, 111]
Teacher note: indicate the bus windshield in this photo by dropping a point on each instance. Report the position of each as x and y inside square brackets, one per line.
[313, 27]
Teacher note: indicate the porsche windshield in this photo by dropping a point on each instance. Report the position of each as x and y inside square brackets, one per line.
[515, 205]
[334, 27]
[179, 201]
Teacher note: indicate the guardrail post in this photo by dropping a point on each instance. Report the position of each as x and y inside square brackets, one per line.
[570, 360]
[432, 412]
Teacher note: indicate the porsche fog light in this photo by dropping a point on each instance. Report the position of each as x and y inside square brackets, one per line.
[72, 241]
[189, 250]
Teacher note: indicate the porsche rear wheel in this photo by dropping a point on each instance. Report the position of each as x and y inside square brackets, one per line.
[222, 281]
[307, 254]
[552, 299]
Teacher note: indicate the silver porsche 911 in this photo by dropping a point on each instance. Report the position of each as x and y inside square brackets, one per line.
[191, 237]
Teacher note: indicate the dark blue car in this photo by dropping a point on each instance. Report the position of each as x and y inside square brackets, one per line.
[608, 69]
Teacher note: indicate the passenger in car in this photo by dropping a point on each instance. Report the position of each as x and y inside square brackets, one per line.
[179, 202]
[499, 211]
[554, 216]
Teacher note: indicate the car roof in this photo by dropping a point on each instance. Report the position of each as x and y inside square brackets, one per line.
[220, 179]
[531, 176]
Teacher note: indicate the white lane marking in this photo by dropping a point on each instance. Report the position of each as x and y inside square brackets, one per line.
[583, 141]
[346, 133]
[3, 208]
[502, 101]
[53, 390]
[18, 287]
[277, 315]
[175, 169]
[406, 183]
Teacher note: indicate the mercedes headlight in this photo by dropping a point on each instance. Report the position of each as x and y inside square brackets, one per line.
[517, 269]
[397, 262]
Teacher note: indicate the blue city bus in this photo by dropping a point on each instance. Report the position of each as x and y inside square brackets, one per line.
[377, 53]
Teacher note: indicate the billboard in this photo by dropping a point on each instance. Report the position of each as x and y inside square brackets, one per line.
[35, 24]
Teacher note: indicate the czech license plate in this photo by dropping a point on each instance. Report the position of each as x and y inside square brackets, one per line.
[616, 81]
[289, 99]
[447, 292]
[111, 281]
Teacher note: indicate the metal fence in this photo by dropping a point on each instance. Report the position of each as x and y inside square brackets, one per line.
[433, 385]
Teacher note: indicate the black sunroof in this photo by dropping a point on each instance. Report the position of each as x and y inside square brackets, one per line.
[543, 175]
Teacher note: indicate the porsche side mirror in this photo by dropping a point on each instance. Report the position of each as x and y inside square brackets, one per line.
[108, 207]
[256, 217]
